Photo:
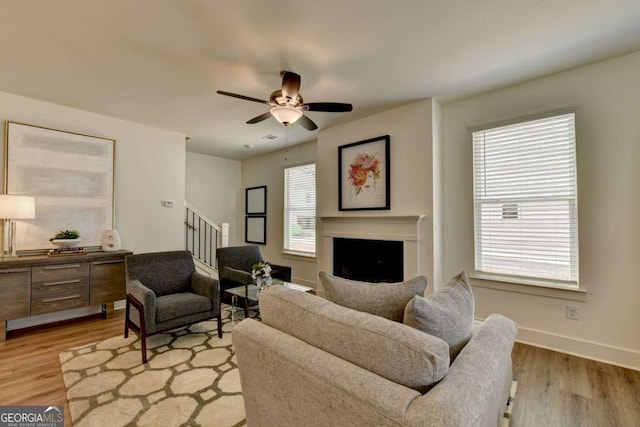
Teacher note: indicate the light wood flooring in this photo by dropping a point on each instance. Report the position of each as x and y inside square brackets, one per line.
[554, 389]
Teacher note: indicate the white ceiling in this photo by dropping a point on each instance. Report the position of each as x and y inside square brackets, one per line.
[160, 62]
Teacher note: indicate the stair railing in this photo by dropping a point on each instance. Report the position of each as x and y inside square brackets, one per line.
[202, 236]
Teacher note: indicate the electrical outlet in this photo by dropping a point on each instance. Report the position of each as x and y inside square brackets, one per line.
[572, 312]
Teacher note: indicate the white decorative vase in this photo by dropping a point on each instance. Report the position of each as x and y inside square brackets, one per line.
[111, 240]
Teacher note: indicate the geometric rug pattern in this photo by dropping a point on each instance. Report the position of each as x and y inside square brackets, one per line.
[191, 379]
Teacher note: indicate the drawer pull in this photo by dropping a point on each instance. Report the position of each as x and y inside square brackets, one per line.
[114, 261]
[61, 267]
[60, 298]
[14, 270]
[62, 282]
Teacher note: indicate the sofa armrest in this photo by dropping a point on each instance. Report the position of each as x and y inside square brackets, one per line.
[288, 382]
[475, 390]
[148, 299]
[205, 286]
[238, 276]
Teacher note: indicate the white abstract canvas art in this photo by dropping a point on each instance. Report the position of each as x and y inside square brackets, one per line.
[71, 178]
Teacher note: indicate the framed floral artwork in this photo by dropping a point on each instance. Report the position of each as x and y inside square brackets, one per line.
[363, 175]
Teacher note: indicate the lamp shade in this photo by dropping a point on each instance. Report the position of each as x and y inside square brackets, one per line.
[286, 115]
[17, 207]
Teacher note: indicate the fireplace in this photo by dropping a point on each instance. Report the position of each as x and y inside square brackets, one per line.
[411, 231]
[368, 260]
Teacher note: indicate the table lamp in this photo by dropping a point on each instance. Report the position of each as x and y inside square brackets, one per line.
[14, 207]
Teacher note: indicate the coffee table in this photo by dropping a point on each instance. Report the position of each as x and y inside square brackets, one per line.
[250, 293]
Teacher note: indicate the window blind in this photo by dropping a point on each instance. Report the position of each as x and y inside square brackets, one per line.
[525, 199]
[300, 209]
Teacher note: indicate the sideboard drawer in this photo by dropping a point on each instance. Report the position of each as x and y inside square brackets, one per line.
[59, 287]
[63, 302]
[51, 281]
[15, 292]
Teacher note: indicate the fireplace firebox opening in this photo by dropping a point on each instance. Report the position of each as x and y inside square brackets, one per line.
[368, 260]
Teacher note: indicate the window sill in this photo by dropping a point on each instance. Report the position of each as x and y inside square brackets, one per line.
[528, 286]
[299, 256]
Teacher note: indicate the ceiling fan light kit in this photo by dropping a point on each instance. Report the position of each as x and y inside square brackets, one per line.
[286, 115]
[287, 105]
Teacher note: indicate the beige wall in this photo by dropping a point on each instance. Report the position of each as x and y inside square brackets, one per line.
[410, 129]
[268, 170]
[213, 187]
[607, 98]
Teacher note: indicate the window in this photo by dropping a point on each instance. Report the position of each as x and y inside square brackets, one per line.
[300, 209]
[525, 200]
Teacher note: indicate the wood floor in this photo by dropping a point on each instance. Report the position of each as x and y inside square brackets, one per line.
[554, 389]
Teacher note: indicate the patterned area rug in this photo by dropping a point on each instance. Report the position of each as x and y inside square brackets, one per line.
[191, 378]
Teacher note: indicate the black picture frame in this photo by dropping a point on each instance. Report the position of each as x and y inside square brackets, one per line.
[255, 229]
[364, 175]
[256, 200]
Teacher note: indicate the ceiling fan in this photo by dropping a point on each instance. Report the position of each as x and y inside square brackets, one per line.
[287, 105]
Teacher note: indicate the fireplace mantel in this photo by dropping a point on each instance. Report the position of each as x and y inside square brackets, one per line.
[379, 227]
[410, 229]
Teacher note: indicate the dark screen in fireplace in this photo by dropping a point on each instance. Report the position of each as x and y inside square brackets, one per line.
[368, 260]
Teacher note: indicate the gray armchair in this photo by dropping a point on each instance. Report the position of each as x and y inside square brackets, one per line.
[164, 291]
[235, 264]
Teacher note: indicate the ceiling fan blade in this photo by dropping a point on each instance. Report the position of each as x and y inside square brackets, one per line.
[246, 98]
[290, 84]
[259, 118]
[328, 107]
[307, 123]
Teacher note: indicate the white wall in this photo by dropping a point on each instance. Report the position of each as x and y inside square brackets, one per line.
[149, 168]
[213, 187]
[268, 170]
[410, 129]
[607, 97]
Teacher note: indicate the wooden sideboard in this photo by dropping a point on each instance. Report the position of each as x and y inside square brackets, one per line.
[34, 285]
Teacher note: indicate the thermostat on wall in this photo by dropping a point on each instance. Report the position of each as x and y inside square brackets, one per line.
[167, 203]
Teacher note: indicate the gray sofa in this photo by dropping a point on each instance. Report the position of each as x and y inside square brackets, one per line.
[314, 363]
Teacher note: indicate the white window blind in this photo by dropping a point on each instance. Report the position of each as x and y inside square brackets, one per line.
[525, 200]
[300, 209]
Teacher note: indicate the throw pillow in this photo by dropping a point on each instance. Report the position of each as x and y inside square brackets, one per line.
[382, 299]
[447, 314]
[390, 349]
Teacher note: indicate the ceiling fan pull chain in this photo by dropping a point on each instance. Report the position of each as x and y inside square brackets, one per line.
[286, 143]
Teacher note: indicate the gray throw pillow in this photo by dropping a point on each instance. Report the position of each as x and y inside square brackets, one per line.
[386, 300]
[392, 350]
[447, 314]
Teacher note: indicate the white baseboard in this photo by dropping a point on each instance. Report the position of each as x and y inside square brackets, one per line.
[622, 357]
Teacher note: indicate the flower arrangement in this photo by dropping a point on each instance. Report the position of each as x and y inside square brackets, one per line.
[362, 167]
[261, 269]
